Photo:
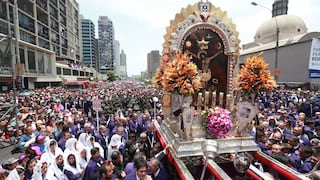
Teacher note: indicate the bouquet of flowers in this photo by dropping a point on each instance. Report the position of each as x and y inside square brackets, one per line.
[157, 79]
[180, 76]
[255, 76]
[218, 122]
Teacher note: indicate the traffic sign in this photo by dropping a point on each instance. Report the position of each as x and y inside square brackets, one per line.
[96, 104]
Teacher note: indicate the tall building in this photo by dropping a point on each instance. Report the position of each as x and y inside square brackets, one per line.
[106, 43]
[48, 41]
[89, 47]
[117, 57]
[279, 7]
[73, 29]
[123, 64]
[153, 61]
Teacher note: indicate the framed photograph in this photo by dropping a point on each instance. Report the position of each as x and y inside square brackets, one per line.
[246, 112]
[166, 100]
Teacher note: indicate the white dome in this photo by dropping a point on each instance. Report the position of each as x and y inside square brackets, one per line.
[289, 26]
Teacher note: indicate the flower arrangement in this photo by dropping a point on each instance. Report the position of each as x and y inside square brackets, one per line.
[217, 122]
[156, 81]
[179, 76]
[255, 76]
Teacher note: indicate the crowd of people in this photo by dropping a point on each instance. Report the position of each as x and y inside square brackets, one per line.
[287, 128]
[58, 134]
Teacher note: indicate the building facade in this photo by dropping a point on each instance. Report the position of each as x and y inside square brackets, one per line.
[153, 62]
[46, 36]
[106, 44]
[89, 47]
[117, 57]
[123, 64]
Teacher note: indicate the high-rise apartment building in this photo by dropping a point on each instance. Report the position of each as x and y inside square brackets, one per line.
[89, 47]
[117, 57]
[106, 43]
[153, 60]
[48, 33]
[123, 64]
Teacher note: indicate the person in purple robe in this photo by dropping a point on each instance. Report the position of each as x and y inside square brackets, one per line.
[135, 125]
[62, 142]
[91, 171]
[140, 172]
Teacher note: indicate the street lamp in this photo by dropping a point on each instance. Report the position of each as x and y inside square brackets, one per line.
[155, 100]
[276, 70]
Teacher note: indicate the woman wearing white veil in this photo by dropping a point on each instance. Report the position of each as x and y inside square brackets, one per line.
[83, 144]
[51, 150]
[57, 167]
[83, 161]
[17, 173]
[92, 143]
[40, 172]
[72, 146]
[72, 167]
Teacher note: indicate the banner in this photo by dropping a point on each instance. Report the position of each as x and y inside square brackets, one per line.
[314, 61]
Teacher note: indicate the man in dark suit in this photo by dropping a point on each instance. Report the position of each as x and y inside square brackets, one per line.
[157, 172]
[141, 171]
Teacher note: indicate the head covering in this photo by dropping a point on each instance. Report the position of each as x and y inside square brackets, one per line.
[70, 145]
[49, 156]
[115, 140]
[58, 173]
[83, 139]
[37, 173]
[10, 161]
[83, 144]
[40, 137]
[3, 171]
[68, 166]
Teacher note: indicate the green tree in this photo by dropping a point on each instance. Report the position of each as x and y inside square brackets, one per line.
[111, 75]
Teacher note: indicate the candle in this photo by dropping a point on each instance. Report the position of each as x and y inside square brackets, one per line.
[213, 101]
[199, 102]
[206, 100]
[228, 101]
[220, 99]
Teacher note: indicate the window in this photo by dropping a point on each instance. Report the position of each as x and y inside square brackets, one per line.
[66, 71]
[58, 70]
[31, 60]
[22, 56]
[41, 63]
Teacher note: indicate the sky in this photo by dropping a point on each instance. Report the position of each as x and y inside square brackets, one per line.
[141, 24]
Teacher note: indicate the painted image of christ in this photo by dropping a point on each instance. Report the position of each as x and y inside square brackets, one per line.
[206, 49]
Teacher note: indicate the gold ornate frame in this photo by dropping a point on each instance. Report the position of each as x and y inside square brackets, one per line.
[218, 21]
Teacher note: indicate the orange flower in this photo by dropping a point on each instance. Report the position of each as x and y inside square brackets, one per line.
[255, 76]
[178, 76]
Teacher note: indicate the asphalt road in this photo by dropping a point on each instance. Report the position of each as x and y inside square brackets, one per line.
[5, 154]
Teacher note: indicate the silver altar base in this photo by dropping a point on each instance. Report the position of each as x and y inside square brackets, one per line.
[199, 146]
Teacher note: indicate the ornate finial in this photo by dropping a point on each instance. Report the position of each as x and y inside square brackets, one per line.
[204, 10]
